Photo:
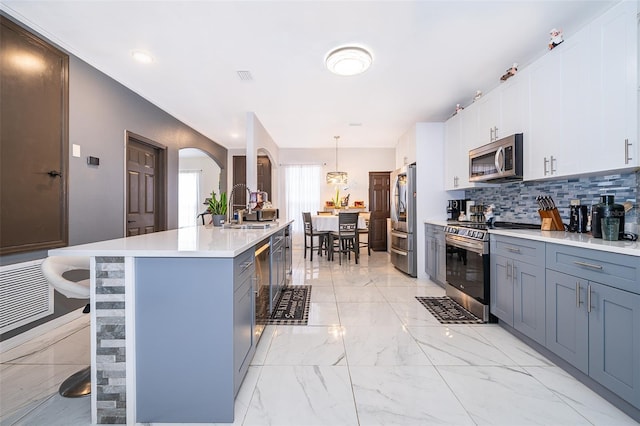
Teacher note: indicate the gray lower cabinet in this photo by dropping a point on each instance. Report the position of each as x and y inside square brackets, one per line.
[435, 253]
[244, 315]
[518, 285]
[594, 325]
[277, 267]
[194, 338]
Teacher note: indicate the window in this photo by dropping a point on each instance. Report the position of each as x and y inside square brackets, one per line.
[302, 192]
[189, 190]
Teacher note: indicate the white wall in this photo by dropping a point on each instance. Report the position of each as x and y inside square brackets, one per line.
[260, 142]
[357, 162]
[431, 197]
[209, 177]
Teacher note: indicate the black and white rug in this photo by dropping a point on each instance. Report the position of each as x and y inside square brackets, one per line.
[448, 311]
[292, 307]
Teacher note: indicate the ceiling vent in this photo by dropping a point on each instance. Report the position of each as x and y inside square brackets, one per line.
[245, 75]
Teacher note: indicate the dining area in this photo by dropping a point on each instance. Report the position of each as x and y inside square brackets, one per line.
[343, 233]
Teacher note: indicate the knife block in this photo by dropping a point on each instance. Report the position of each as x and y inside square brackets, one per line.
[551, 220]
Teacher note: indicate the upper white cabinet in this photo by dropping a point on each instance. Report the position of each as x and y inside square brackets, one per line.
[615, 82]
[577, 106]
[454, 166]
[584, 100]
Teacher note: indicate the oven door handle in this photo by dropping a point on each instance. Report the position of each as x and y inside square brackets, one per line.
[461, 244]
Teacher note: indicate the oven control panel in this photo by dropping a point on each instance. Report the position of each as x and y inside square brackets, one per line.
[473, 234]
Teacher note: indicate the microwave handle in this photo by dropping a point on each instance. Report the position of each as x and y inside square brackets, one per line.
[499, 160]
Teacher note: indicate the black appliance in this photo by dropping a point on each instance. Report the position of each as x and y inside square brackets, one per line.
[403, 220]
[454, 208]
[606, 208]
[499, 161]
[578, 218]
[467, 264]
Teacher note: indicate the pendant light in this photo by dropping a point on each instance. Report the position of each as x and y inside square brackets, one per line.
[336, 177]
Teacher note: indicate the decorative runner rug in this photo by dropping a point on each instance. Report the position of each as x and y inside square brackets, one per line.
[448, 311]
[292, 307]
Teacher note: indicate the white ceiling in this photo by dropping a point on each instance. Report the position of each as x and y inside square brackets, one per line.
[428, 56]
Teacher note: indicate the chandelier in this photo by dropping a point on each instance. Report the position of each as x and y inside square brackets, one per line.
[337, 178]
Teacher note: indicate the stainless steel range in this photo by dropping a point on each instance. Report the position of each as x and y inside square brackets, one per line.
[468, 268]
[467, 264]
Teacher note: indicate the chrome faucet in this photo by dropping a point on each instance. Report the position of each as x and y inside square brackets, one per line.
[248, 205]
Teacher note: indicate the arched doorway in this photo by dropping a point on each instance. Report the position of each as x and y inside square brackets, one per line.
[198, 175]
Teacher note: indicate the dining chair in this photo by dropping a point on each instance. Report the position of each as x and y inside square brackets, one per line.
[345, 240]
[311, 233]
[364, 232]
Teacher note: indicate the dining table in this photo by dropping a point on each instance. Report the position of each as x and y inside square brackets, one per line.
[329, 223]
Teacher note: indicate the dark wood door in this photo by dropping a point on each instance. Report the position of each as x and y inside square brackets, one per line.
[33, 142]
[142, 206]
[240, 176]
[379, 206]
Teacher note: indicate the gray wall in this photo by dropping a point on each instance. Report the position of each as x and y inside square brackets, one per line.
[100, 111]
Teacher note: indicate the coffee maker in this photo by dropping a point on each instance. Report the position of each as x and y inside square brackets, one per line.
[454, 208]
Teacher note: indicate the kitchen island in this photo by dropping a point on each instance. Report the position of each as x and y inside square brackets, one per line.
[173, 322]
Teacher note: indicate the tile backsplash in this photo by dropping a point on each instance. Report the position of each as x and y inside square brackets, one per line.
[516, 201]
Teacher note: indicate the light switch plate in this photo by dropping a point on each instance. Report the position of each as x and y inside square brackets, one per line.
[75, 150]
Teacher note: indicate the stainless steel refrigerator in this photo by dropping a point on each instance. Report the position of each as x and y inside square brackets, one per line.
[403, 220]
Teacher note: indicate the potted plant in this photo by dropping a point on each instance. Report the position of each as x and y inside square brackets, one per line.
[218, 208]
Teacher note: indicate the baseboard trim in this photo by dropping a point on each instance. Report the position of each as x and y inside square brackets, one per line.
[40, 330]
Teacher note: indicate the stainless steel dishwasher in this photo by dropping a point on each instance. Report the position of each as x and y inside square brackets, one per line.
[263, 251]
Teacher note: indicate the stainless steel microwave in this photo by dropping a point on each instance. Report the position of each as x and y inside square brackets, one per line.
[499, 161]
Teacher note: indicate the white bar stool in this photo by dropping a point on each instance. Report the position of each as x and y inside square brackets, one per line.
[53, 269]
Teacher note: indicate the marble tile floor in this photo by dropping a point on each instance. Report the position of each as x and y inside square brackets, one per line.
[371, 355]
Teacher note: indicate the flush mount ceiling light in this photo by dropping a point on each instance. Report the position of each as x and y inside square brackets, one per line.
[142, 56]
[337, 178]
[349, 60]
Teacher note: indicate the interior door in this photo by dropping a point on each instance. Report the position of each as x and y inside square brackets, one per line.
[33, 142]
[142, 188]
[379, 206]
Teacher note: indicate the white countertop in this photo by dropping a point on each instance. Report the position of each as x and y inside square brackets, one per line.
[196, 241]
[631, 248]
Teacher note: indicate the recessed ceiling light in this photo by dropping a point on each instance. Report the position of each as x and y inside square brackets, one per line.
[348, 60]
[142, 56]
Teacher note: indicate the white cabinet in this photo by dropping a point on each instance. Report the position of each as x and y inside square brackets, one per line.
[514, 106]
[455, 167]
[489, 122]
[542, 153]
[584, 101]
[615, 82]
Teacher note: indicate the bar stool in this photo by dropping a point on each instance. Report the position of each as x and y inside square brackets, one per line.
[53, 269]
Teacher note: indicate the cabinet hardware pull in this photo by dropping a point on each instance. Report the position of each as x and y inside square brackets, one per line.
[491, 134]
[588, 265]
[507, 270]
[495, 132]
[514, 273]
[577, 294]
[401, 253]
[551, 169]
[626, 151]
[545, 166]
[513, 249]
[589, 298]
